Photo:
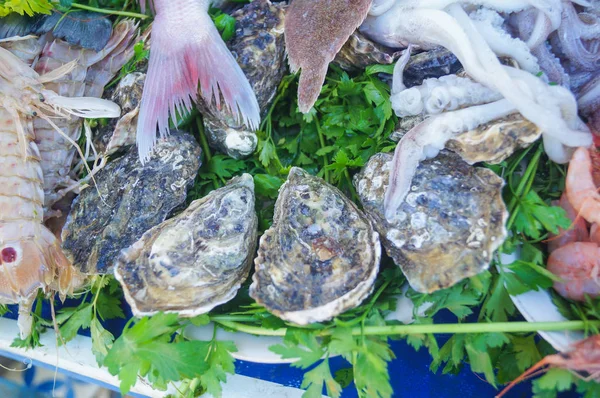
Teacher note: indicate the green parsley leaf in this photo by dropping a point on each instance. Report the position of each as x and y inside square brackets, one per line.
[314, 379]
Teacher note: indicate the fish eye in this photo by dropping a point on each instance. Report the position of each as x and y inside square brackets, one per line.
[8, 255]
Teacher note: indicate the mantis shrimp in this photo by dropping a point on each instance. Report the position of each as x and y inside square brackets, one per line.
[30, 255]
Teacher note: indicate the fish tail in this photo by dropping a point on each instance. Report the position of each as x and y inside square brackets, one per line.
[180, 60]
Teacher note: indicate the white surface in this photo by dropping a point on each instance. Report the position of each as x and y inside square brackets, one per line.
[537, 306]
[78, 358]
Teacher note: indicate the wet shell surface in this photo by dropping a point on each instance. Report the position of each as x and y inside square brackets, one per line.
[119, 134]
[495, 141]
[135, 198]
[360, 52]
[259, 49]
[196, 260]
[492, 142]
[320, 257]
[450, 224]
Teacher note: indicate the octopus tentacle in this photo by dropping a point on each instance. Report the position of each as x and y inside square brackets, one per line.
[501, 42]
[427, 139]
[442, 94]
[586, 57]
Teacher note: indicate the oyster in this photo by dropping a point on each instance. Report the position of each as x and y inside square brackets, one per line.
[491, 142]
[360, 52]
[258, 46]
[118, 134]
[320, 257]
[495, 141]
[450, 224]
[134, 198]
[197, 260]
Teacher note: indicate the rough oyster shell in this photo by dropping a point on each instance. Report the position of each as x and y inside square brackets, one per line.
[450, 224]
[495, 141]
[359, 52]
[135, 198]
[197, 260]
[320, 257]
[259, 48]
[492, 142]
[118, 134]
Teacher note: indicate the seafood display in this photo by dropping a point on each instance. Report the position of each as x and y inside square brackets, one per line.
[258, 46]
[197, 260]
[128, 199]
[462, 138]
[31, 257]
[477, 38]
[320, 257]
[187, 51]
[451, 223]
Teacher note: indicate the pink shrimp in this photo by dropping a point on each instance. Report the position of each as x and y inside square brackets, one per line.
[580, 188]
[595, 233]
[578, 232]
[578, 265]
[583, 358]
[187, 50]
[30, 255]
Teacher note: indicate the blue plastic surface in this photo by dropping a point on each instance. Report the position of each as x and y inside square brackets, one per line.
[409, 372]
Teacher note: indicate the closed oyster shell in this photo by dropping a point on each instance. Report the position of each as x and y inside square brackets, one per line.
[359, 52]
[320, 257]
[492, 142]
[495, 141]
[129, 199]
[450, 224]
[197, 260]
[259, 48]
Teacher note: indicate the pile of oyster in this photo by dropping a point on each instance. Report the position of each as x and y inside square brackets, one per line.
[322, 254]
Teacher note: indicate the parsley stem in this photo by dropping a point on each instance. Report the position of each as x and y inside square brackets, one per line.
[203, 141]
[524, 186]
[442, 328]
[110, 12]
[322, 142]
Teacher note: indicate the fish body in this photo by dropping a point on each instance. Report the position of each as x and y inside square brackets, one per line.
[187, 51]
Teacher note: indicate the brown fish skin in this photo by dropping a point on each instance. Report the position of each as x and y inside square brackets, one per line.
[315, 31]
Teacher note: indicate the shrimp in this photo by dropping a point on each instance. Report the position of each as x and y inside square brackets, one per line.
[578, 232]
[584, 358]
[595, 233]
[578, 265]
[30, 255]
[91, 72]
[581, 190]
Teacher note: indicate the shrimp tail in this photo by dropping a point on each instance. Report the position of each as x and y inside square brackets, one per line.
[181, 57]
[543, 362]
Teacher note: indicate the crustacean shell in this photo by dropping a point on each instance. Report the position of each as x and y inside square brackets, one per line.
[320, 257]
[196, 260]
[448, 227]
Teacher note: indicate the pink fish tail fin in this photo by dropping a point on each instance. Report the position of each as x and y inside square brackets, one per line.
[177, 66]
